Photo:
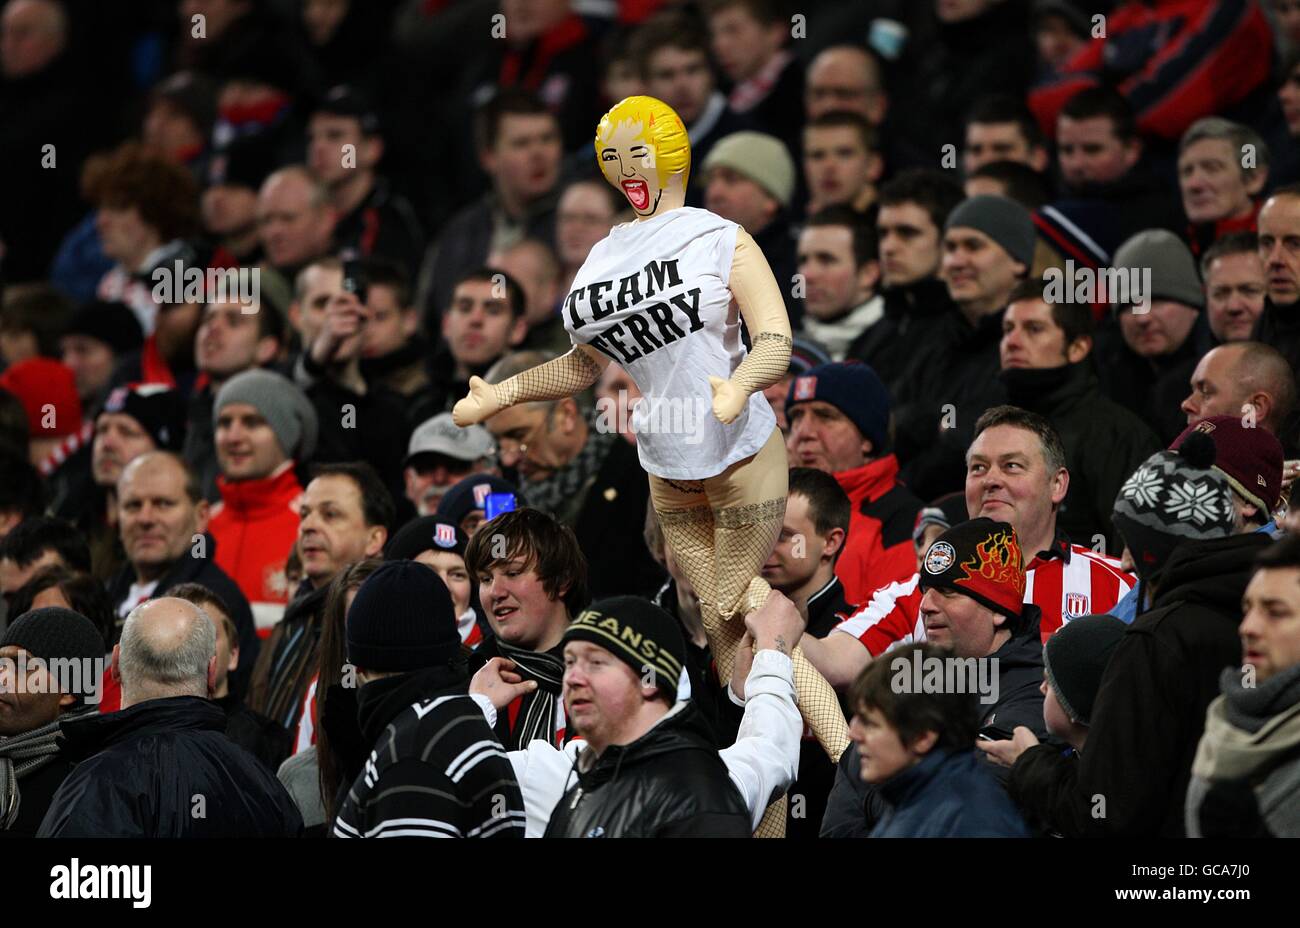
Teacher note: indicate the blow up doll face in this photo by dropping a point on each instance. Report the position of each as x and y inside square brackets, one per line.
[643, 151]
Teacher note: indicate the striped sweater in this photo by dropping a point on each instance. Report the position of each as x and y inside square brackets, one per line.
[437, 771]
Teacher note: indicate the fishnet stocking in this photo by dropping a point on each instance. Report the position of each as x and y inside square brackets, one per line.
[767, 362]
[568, 374]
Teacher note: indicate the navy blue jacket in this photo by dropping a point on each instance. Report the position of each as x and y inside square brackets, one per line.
[948, 795]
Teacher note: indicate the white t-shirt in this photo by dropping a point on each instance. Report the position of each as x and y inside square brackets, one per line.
[653, 296]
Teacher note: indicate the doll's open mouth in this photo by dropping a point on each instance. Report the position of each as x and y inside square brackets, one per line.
[638, 194]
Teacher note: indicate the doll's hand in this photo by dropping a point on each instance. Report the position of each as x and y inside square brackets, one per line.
[480, 404]
[728, 400]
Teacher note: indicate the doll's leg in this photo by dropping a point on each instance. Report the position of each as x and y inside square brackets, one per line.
[687, 523]
[749, 521]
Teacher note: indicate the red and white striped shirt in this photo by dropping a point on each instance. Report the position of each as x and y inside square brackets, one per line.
[1068, 582]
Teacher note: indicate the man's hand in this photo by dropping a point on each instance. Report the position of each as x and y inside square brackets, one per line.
[1005, 753]
[500, 684]
[1290, 470]
[480, 403]
[728, 400]
[743, 663]
[341, 337]
[776, 625]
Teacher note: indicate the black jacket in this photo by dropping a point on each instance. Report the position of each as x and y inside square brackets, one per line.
[1104, 443]
[268, 741]
[287, 665]
[204, 571]
[720, 713]
[854, 806]
[669, 783]
[1152, 388]
[165, 769]
[435, 770]
[911, 312]
[36, 792]
[946, 388]
[1151, 703]
[1279, 326]
[609, 524]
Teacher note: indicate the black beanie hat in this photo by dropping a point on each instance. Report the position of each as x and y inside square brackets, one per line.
[638, 633]
[58, 633]
[402, 619]
[427, 533]
[1075, 658]
[111, 323]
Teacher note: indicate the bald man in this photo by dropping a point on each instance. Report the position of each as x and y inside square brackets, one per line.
[163, 766]
[33, 33]
[1239, 374]
[295, 219]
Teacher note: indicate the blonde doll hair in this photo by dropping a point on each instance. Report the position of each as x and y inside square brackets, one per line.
[661, 127]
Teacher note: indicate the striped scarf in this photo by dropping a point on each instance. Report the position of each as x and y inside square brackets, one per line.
[28, 753]
[561, 495]
[537, 712]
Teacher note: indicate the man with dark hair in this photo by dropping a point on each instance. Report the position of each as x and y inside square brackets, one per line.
[915, 748]
[1011, 179]
[22, 494]
[36, 543]
[233, 337]
[1244, 777]
[68, 589]
[573, 465]
[1107, 192]
[840, 275]
[98, 336]
[1001, 128]
[163, 521]
[748, 38]
[1235, 286]
[518, 145]
[33, 701]
[802, 567]
[671, 51]
[483, 320]
[532, 578]
[839, 424]
[1047, 368]
[344, 147]
[841, 162]
[345, 515]
[434, 770]
[395, 354]
[914, 206]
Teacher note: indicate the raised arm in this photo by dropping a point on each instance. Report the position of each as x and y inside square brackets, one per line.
[763, 310]
[568, 374]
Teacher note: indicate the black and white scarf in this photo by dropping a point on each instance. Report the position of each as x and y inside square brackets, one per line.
[28, 753]
[537, 712]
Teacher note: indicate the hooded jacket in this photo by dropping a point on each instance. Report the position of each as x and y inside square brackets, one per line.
[947, 795]
[669, 783]
[1151, 702]
[435, 771]
[1152, 388]
[142, 772]
[1104, 443]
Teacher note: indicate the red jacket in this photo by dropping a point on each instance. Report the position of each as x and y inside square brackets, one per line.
[255, 526]
[1174, 60]
[879, 549]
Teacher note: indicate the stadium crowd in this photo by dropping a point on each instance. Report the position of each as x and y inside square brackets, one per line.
[1042, 263]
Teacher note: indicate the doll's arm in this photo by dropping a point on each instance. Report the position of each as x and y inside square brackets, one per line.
[568, 374]
[763, 309]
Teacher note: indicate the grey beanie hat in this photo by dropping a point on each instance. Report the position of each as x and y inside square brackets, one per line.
[285, 408]
[1005, 221]
[1173, 269]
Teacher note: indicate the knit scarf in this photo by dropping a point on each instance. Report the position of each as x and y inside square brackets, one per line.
[28, 753]
[561, 494]
[536, 717]
[1251, 707]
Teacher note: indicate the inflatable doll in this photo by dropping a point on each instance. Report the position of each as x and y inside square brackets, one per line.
[655, 296]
